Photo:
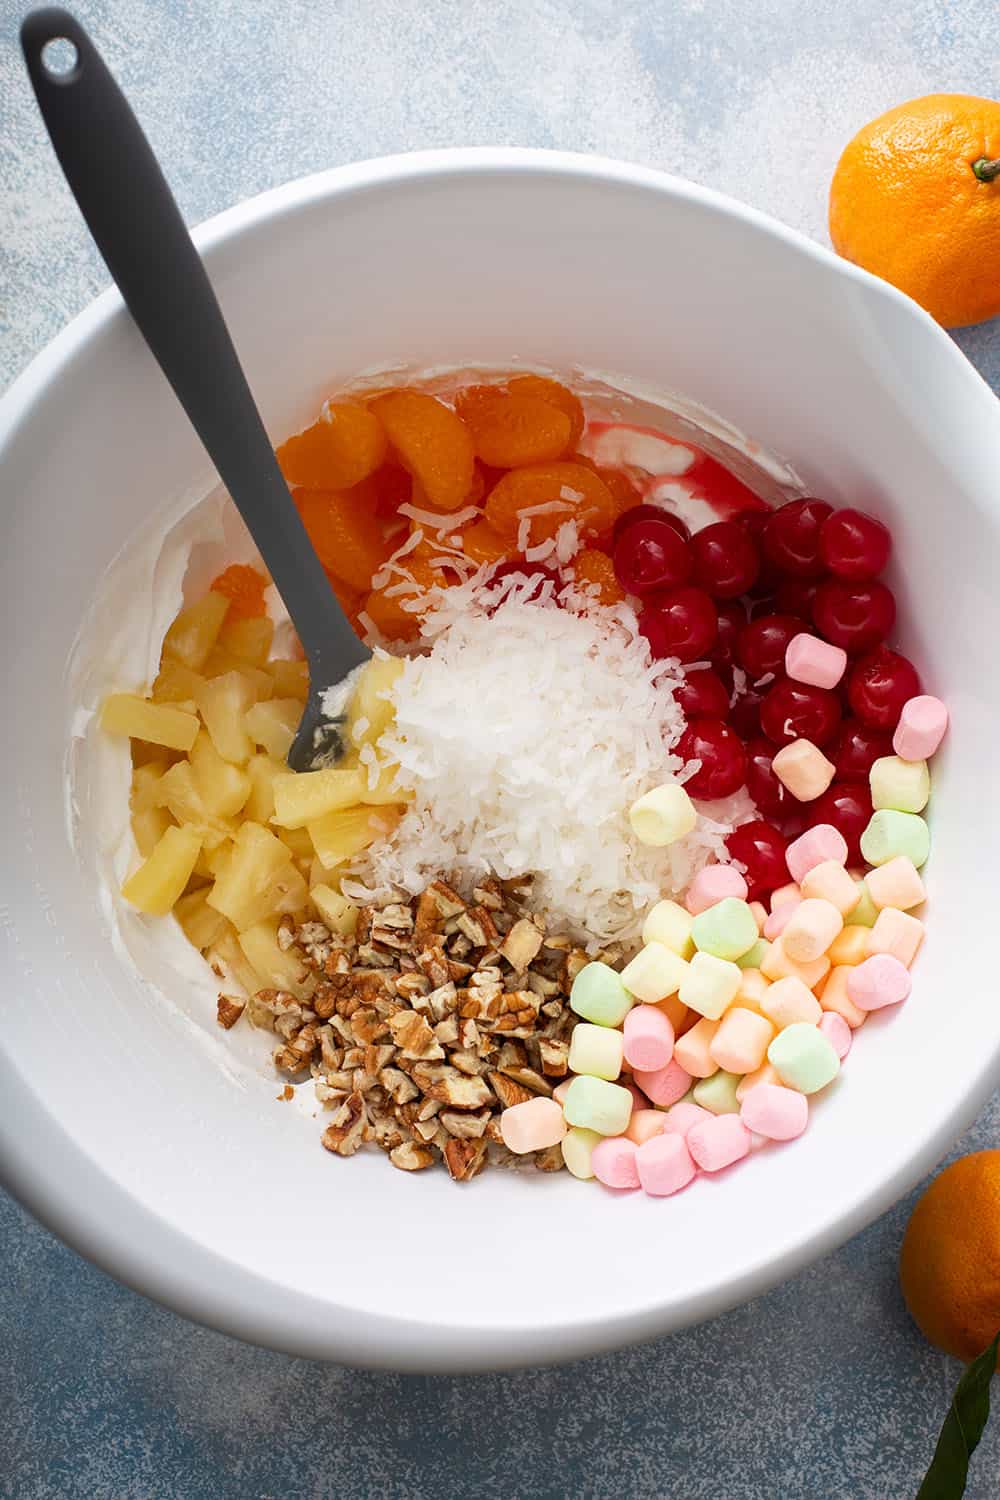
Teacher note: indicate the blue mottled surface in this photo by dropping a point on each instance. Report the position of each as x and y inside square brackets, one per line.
[822, 1390]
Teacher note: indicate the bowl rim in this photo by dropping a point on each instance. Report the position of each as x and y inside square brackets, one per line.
[101, 1221]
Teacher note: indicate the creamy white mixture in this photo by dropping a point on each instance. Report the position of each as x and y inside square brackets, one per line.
[173, 559]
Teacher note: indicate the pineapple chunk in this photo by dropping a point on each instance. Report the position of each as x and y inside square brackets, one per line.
[385, 789]
[127, 713]
[248, 640]
[200, 923]
[262, 770]
[224, 787]
[149, 825]
[230, 963]
[279, 970]
[273, 724]
[297, 840]
[259, 881]
[179, 793]
[212, 862]
[339, 914]
[221, 662]
[223, 703]
[195, 631]
[318, 874]
[370, 712]
[146, 785]
[291, 679]
[160, 881]
[338, 836]
[176, 683]
[301, 798]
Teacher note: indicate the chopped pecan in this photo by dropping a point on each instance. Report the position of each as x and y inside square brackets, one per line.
[554, 1056]
[414, 1037]
[465, 1125]
[530, 1079]
[550, 1159]
[522, 944]
[398, 1086]
[409, 1157]
[347, 1130]
[228, 1010]
[464, 1158]
[507, 1091]
[447, 1084]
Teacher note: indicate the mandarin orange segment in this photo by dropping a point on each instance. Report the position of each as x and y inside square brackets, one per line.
[387, 612]
[590, 567]
[579, 493]
[432, 442]
[244, 587]
[345, 533]
[482, 544]
[511, 430]
[342, 448]
[555, 394]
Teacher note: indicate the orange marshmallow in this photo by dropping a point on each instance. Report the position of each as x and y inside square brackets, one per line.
[811, 929]
[644, 1124]
[831, 882]
[784, 894]
[803, 769]
[753, 988]
[896, 883]
[789, 1001]
[897, 933]
[834, 997]
[674, 1010]
[692, 1051]
[741, 1042]
[759, 914]
[849, 946]
[766, 1074]
[777, 964]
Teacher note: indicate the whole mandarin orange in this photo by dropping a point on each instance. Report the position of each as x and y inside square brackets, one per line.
[915, 199]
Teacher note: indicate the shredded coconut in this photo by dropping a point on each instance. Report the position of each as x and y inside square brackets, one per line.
[527, 731]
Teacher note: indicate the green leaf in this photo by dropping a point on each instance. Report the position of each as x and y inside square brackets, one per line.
[963, 1427]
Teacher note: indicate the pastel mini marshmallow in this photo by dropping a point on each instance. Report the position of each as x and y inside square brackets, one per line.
[813, 847]
[779, 919]
[665, 1085]
[598, 994]
[710, 985]
[835, 1000]
[811, 929]
[753, 957]
[675, 1012]
[639, 1099]
[561, 1090]
[655, 972]
[728, 929]
[648, 1039]
[753, 988]
[921, 728]
[718, 1093]
[741, 1042]
[890, 833]
[679, 1118]
[764, 1074]
[831, 882]
[596, 1050]
[803, 769]
[850, 946]
[718, 1142]
[645, 1123]
[904, 785]
[663, 815]
[808, 659]
[532, 1126]
[864, 914]
[896, 933]
[577, 1149]
[713, 884]
[804, 1058]
[664, 1165]
[789, 1001]
[880, 981]
[596, 1104]
[670, 924]
[693, 1051]
[837, 1032]
[896, 883]
[778, 964]
[777, 1113]
[784, 894]
[613, 1162]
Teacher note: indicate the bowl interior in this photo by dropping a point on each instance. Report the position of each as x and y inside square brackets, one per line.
[125, 1123]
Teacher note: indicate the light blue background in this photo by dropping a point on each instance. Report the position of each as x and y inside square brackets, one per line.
[822, 1390]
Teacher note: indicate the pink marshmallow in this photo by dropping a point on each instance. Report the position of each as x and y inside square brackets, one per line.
[921, 728]
[532, 1126]
[664, 1085]
[713, 884]
[639, 1100]
[803, 769]
[811, 929]
[879, 981]
[718, 1142]
[779, 1114]
[741, 1042]
[896, 932]
[779, 918]
[613, 1161]
[766, 1074]
[896, 883]
[649, 1038]
[681, 1116]
[813, 847]
[645, 1123]
[808, 659]
[664, 1165]
[691, 1052]
[837, 1033]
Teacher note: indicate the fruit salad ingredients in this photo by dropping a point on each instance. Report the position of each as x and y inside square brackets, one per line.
[512, 428]
[244, 587]
[529, 506]
[433, 443]
[680, 623]
[650, 555]
[346, 445]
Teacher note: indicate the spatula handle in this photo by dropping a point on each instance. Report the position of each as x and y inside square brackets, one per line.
[138, 228]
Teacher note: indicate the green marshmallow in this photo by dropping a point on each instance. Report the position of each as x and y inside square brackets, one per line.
[598, 995]
[902, 785]
[754, 957]
[727, 929]
[890, 833]
[865, 913]
[803, 1058]
[593, 1104]
[718, 1093]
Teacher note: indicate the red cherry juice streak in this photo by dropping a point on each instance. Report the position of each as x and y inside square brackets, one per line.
[708, 480]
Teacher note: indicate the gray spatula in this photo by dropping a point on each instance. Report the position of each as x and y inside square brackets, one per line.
[131, 213]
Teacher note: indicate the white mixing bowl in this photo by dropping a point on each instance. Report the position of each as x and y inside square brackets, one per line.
[118, 1127]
